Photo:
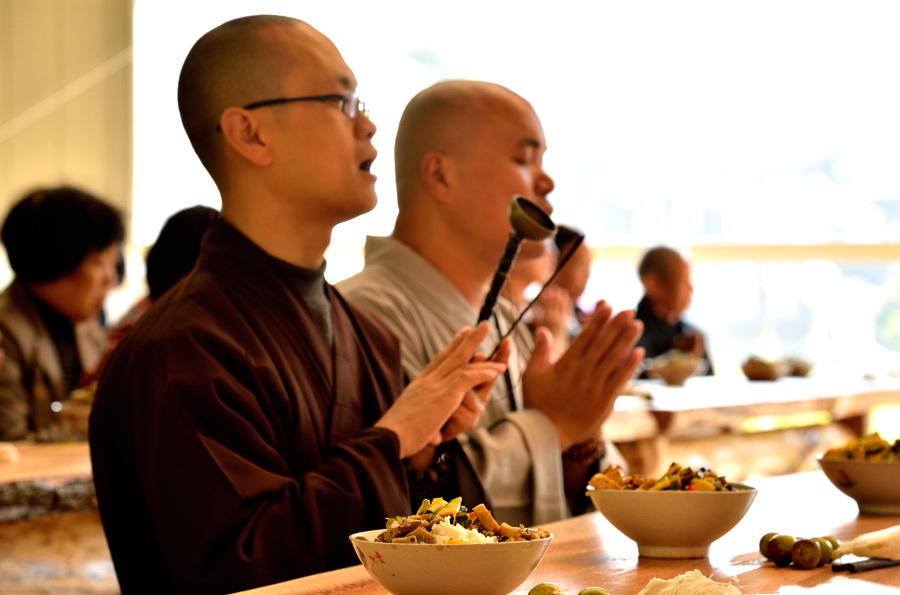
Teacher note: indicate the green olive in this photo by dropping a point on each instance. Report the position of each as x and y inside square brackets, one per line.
[806, 553]
[545, 589]
[826, 547]
[593, 591]
[835, 543]
[764, 543]
[779, 549]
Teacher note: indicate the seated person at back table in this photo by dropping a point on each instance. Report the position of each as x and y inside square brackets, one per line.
[463, 150]
[169, 260]
[252, 420]
[63, 246]
[666, 278]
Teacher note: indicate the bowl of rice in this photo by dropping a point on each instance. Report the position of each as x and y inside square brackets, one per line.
[445, 549]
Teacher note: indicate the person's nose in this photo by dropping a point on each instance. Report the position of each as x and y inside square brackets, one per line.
[543, 185]
[110, 277]
[365, 128]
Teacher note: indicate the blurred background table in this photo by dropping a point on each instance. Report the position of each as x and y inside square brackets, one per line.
[47, 461]
[588, 551]
[745, 429]
[51, 539]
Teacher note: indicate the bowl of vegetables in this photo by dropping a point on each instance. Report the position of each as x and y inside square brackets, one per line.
[675, 516]
[446, 549]
[868, 470]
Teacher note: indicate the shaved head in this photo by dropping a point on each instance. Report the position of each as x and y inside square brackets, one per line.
[235, 64]
[446, 117]
[661, 261]
[666, 276]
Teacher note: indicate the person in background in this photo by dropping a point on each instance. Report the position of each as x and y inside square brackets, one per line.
[463, 150]
[252, 420]
[666, 277]
[172, 256]
[553, 308]
[557, 308]
[63, 244]
[120, 278]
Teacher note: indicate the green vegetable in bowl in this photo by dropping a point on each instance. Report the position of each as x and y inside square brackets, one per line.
[872, 448]
[675, 478]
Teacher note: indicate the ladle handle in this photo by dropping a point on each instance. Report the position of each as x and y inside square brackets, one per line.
[509, 253]
[563, 259]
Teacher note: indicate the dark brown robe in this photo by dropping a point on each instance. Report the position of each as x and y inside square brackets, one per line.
[231, 446]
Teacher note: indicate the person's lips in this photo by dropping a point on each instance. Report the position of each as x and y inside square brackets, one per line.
[366, 165]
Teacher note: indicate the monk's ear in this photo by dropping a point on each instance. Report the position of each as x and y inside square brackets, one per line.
[435, 176]
[243, 134]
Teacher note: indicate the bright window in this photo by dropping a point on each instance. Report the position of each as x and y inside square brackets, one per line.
[692, 124]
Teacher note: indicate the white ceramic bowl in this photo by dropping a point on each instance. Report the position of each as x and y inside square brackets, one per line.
[674, 371]
[673, 524]
[874, 486]
[465, 569]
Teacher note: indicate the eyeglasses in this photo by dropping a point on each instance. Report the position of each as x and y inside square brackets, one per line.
[348, 102]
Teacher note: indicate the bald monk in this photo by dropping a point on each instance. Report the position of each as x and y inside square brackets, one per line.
[463, 149]
[666, 277]
[252, 420]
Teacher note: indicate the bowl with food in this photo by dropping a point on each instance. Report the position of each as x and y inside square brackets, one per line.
[445, 549]
[675, 516]
[758, 368]
[674, 367]
[868, 470]
[797, 366]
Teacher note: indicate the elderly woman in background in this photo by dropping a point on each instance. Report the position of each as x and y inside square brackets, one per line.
[63, 246]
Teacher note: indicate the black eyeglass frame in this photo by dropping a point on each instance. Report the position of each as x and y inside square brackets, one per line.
[350, 104]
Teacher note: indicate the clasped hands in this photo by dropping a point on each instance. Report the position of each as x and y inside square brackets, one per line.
[449, 396]
[578, 391]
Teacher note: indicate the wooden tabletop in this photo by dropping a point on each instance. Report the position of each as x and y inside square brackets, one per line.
[588, 551]
[48, 461]
[61, 553]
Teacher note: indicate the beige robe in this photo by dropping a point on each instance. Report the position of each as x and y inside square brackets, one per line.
[515, 452]
[31, 377]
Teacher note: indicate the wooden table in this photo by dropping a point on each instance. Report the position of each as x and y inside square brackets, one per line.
[588, 551]
[47, 478]
[48, 461]
[53, 552]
